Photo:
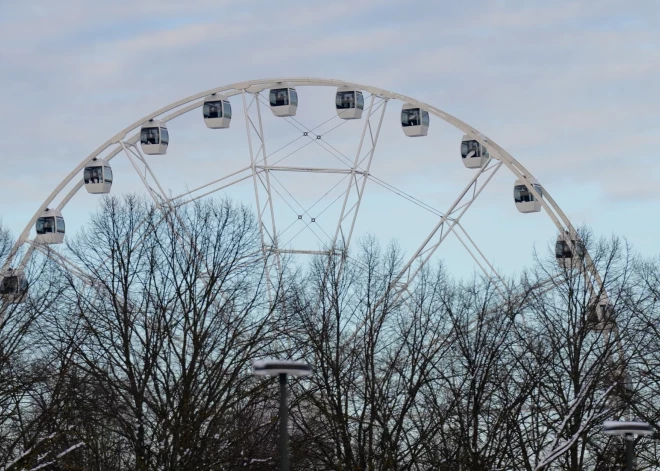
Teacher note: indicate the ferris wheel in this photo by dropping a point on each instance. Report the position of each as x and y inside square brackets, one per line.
[284, 220]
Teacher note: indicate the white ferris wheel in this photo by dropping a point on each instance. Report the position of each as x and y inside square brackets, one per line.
[288, 225]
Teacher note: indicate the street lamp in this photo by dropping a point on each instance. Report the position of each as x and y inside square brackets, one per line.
[282, 368]
[629, 429]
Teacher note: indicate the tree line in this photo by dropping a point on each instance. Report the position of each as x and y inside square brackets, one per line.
[141, 360]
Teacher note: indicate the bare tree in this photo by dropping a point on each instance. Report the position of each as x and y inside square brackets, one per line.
[143, 363]
[408, 384]
[166, 326]
[29, 373]
[581, 362]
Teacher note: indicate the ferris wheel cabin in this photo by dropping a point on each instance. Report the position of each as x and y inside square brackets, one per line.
[98, 177]
[571, 254]
[623, 385]
[525, 200]
[600, 314]
[283, 101]
[414, 120]
[473, 154]
[217, 111]
[50, 227]
[349, 103]
[154, 138]
[13, 286]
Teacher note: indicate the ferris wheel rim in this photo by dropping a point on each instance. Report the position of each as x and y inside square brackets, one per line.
[192, 102]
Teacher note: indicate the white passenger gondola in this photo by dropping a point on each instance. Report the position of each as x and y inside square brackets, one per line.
[622, 384]
[349, 103]
[50, 227]
[283, 100]
[217, 111]
[474, 155]
[600, 315]
[414, 120]
[98, 177]
[13, 286]
[525, 200]
[154, 137]
[569, 251]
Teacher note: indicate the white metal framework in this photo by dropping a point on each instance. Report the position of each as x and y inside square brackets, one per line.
[354, 102]
[365, 106]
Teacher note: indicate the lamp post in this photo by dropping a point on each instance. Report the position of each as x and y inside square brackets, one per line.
[282, 368]
[629, 430]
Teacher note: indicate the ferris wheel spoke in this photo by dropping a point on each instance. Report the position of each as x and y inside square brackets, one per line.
[317, 138]
[357, 181]
[163, 203]
[285, 200]
[308, 225]
[159, 197]
[132, 156]
[326, 194]
[317, 141]
[28, 253]
[320, 229]
[308, 143]
[317, 215]
[309, 209]
[480, 259]
[427, 249]
[116, 141]
[353, 170]
[147, 168]
[90, 280]
[262, 190]
[312, 220]
[353, 164]
[287, 145]
[404, 195]
[261, 177]
[208, 193]
[298, 214]
[68, 265]
[332, 118]
[287, 229]
[260, 164]
[214, 182]
[339, 171]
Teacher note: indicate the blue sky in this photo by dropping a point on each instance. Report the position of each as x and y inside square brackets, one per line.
[569, 88]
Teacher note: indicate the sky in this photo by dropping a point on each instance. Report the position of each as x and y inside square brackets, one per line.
[569, 88]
